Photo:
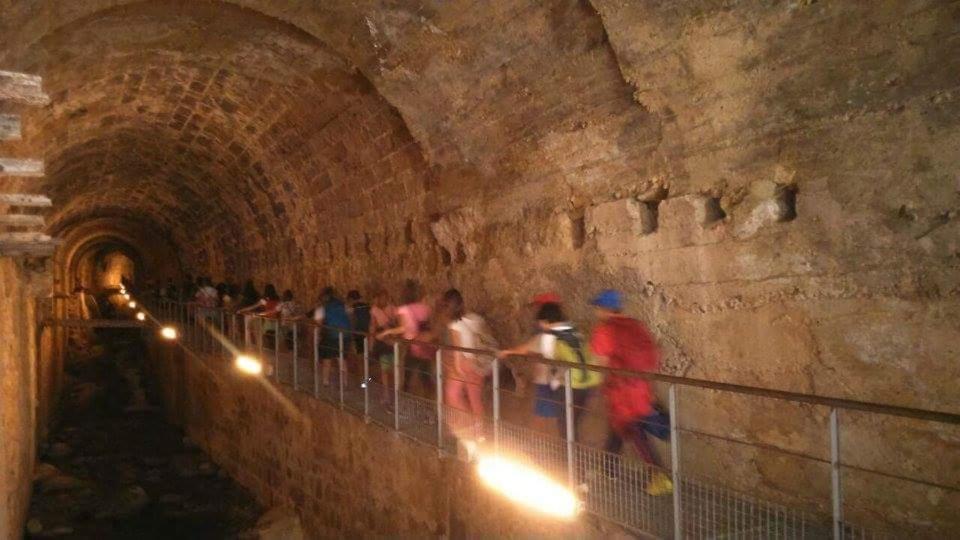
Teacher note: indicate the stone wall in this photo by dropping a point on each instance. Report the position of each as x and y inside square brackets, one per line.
[346, 479]
[18, 392]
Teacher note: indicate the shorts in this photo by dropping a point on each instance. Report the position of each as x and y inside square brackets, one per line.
[268, 325]
[549, 402]
[386, 360]
[329, 346]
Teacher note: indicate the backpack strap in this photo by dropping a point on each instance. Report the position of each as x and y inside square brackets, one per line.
[570, 337]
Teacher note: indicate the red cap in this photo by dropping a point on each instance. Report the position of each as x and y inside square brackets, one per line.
[546, 298]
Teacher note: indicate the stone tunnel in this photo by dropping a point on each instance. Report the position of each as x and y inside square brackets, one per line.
[772, 187]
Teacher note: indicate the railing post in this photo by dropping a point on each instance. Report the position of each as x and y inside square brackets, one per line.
[316, 361]
[246, 332]
[340, 365]
[396, 385]
[568, 410]
[276, 351]
[496, 404]
[675, 462]
[260, 337]
[439, 394]
[366, 378]
[836, 491]
[223, 331]
[296, 356]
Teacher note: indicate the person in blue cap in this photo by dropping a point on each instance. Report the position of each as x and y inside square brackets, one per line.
[619, 341]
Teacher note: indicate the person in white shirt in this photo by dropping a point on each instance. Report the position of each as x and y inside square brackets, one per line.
[206, 298]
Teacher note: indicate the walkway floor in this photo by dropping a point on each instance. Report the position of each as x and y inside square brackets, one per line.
[115, 469]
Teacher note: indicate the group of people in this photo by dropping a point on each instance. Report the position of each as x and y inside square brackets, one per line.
[616, 341]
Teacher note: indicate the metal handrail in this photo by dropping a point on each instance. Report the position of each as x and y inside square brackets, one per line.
[785, 395]
[835, 405]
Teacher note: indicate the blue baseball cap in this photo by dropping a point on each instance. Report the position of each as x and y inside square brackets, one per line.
[608, 299]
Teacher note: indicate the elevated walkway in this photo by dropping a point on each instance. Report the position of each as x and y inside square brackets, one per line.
[612, 487]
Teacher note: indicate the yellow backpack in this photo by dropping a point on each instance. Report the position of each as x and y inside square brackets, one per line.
[570, 348]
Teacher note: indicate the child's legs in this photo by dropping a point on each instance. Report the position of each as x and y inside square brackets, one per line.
[475, 396]
[638, 435]
[386, 374]
[453, 397]
[453, 394]
[327, 364]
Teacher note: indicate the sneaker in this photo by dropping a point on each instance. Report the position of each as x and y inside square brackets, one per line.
[660, 484]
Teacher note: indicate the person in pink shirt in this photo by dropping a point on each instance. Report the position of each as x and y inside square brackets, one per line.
[414, 318]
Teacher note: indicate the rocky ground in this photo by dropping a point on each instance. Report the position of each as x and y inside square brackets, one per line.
[113, 468]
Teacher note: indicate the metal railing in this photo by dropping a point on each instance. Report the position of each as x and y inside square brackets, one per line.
[610, 485]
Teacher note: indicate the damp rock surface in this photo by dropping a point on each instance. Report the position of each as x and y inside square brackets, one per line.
[123, 475]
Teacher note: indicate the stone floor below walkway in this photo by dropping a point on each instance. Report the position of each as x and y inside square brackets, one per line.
[114, 468]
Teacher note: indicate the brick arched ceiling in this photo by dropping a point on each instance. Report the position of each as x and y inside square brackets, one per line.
[228, 122]
[279, 131]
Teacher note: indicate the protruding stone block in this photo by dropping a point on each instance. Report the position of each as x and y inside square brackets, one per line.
[27, 244]
[684, 215]
[27, 168]
[761, 214]
[622, 216]
[767, 203]
[9, 127]
[21, 220]
[688, 220]
[22, 88]
[18, 199]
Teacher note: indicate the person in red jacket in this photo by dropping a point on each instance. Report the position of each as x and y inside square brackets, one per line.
[622, 342]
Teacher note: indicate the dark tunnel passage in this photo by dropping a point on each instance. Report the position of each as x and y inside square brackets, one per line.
[116, 468]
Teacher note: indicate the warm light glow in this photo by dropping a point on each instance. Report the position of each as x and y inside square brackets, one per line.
[132, 304]
[249, 365]
[126, 296]
[141, 316]
[168, 332]
[527, 486]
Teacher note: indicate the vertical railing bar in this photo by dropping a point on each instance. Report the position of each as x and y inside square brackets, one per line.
[568, 410]
[341, 366]
[439, 396]
[675, 462]
[260, 336]
[223, 332]
[496, 405]
[396, 385]
[316, 362]
[276, 351]
[836, 493]
[296, 355]
[366, 378]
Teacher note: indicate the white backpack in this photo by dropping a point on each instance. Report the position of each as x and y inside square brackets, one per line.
[480, 338]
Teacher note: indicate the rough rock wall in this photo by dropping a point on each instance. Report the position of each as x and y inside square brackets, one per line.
[802, 234]
[346, 479]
